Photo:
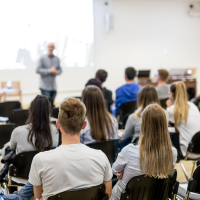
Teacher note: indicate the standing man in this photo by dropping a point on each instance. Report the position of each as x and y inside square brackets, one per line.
[48, 68]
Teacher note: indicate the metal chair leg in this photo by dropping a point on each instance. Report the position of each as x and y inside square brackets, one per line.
[193, 168]
[187, 195]
[184, 170]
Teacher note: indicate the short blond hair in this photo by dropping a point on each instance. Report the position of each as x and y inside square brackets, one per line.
[71, 116]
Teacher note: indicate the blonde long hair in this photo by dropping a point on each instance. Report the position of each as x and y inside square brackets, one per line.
[181, 107]
[146, 96]
[156, 156]
[99, 118]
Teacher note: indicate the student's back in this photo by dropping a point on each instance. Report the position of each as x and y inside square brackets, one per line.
[184, 114]
[154, 156]
[20, 143]
[127, 92]
[101, 125]
[69, 167]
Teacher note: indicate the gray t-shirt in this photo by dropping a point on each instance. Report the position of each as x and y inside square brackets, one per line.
[163, 91]
[133, 127]
[69, 167]
[86, 138]
[128, 160]
[19, 138]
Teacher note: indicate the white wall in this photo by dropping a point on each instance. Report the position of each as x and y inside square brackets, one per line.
[142, 31]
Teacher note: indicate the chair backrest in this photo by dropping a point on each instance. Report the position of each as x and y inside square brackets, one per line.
[163, 103]
[149, 188]
[93, 193]
[108, 147]
[7, 107]
[55, 112]
[175, 139]
[127, 108]
[22, 164]
[5, 133]
[18, 116]
[194, 146]
[196, 177]
[15, 85]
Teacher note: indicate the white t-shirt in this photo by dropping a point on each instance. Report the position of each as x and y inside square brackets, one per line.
[187, 131]
[69, 167]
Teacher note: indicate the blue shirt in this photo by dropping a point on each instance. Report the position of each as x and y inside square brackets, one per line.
[126, 93]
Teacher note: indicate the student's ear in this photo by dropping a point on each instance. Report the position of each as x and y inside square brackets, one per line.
[84, 125]
[58, 124]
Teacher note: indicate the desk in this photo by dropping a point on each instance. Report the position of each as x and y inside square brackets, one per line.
[189, 81]
[5, 91]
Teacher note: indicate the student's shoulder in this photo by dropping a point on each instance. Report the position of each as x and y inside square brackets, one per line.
[20, 129]
[95, 152]
[46, 156]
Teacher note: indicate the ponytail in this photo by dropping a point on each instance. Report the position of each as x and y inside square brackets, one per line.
[181, 106]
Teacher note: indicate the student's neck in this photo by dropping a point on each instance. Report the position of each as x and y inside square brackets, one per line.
[129, 81]
[68, 139]
[161, 83]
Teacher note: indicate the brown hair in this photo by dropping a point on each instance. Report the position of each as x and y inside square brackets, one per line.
[146, 96]
[163, 73]
[72, 116]
[101, 75]
[156, 155]
[99, 118]
[181, 107]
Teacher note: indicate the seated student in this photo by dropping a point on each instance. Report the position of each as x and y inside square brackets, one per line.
[127, 92]
[102, 75]
[72, 165]
[144, 158]
[184, 114]
[162, 88]
[38, 134]
[146, 96]
[101, 125]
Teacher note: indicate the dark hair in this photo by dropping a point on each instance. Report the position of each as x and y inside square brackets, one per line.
[39, 130]
[101, 75]
[163, 73]
[99, 118]
[130, 73]
[95, 82]
[72, 116]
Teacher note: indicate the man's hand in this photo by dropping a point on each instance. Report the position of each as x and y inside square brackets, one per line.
[169, 103]
[53, 70]
[120, 174]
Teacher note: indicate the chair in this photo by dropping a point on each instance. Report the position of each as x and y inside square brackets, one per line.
[110, 148]
[193, 153]
[18, 116]
[149, 188]
[20, 167]
[55, 112]
[175, 139]
[7, 107]
[194, 183]
[93, 193]
[5, 133]
[163, 103]
[15, 85]
[124, 111]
